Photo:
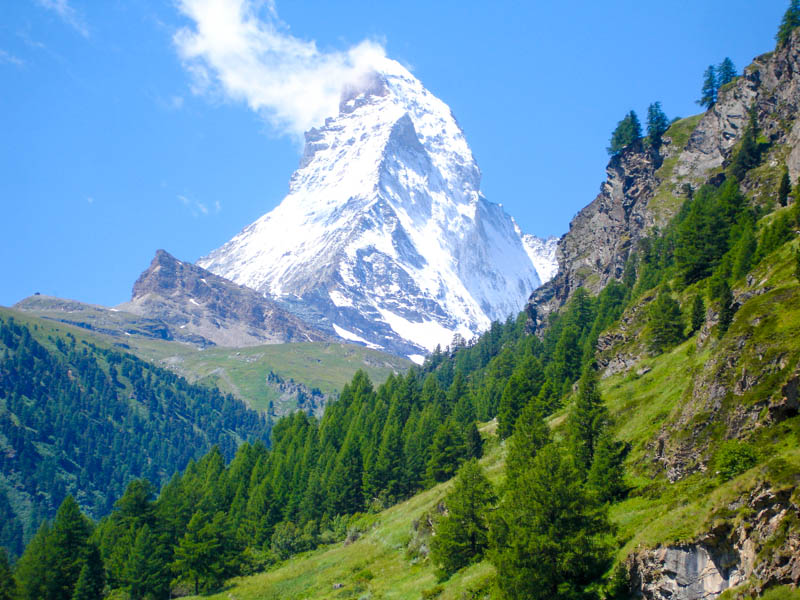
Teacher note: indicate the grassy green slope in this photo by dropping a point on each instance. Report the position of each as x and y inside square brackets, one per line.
[375, 565]
[243, 371]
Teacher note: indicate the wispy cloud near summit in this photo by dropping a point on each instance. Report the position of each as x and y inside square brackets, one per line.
[241, 49]
[67, 14]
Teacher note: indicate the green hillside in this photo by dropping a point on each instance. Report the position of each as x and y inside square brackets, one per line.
[85, 419]
[242, 371]
[320, 369]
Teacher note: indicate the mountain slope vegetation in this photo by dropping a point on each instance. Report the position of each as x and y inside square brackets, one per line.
[639, 438]
[83, 419]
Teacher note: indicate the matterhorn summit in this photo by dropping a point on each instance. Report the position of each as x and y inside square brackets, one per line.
[384, 237]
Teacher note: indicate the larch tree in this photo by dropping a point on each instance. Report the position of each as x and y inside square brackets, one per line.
[790, 22]
[462, 536]
[708, 94]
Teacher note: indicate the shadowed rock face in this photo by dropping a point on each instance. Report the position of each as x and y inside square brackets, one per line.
[602, 235]
[191, 300]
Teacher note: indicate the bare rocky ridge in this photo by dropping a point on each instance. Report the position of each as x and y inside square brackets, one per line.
[601, 236]
[190, 300]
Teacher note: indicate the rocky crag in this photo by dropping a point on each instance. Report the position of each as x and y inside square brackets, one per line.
[190, 300]
[642, 183]
[759, 550]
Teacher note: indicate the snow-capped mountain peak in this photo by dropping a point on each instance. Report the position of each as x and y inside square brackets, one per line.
[384, 236]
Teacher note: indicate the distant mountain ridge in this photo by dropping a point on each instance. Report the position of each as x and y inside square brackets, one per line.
[189, 299]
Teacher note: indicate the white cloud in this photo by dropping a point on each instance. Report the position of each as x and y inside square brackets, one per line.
[10, 59]
[198, 208]
[241, 49]
[67, 14]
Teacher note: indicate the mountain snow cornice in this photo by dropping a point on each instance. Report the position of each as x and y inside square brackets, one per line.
[384, 237]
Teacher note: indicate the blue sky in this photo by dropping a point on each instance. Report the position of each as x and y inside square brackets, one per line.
[111, 149]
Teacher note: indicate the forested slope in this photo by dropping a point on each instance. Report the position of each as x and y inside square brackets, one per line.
[81, 419]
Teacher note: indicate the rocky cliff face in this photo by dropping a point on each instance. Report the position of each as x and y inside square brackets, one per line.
[189, 300]
[761, 549]
[602, 235]
[770, 85]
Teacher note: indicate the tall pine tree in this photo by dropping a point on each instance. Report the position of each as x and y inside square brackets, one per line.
[790, 22]
[708, 94]
[628, 131]
[657, 124]
[726, 72]
[546, 539]
[784, 188]
[92, 578]
[587, 420]
[462, 536]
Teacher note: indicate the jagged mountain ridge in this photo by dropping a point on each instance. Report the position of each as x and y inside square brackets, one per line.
[384, 237]
[191, 300]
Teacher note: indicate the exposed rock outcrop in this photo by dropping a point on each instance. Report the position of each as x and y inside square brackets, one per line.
[760, 551]
[602, 235]
[189, 299]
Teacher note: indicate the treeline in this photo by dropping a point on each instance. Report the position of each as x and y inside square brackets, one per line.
[83, 420]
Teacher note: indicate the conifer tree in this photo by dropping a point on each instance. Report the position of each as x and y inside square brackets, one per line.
[708, 95]
[725, 309]
[698, 313]
[790, 22]
[345, 495]
[749, 153]
[92, 578]
[462, 536]
[389, 463]
[34, 570]
[628, 131]
[726, 72]
[8, 585]
[666, 322]
[447, 451]
[68, 540]
[744, 251]
[546, 540]
[146, 570]
[204, 553]
[657, 124]
[522, 387]
[605, 478]
[587, 420]
[531, 434]
[473, 442]
[784, 188]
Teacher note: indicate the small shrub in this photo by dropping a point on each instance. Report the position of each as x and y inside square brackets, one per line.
[734, 458]
[432, 593]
